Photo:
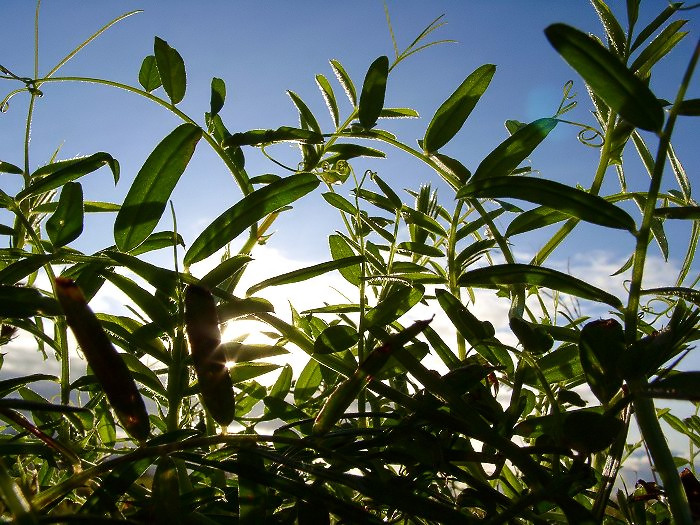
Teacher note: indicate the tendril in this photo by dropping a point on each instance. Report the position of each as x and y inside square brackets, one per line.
[269, 157]
[563, 106]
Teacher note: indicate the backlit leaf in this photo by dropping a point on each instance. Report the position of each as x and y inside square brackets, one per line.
[511, 152]
[345, 81]
[149, 78]
[373, 91]
[500, 274]
[572, 201]
[247, 211]
[608, 77]
[328, 97]
[453, 113]
[171, 68]
[66, 224]
[145, 202]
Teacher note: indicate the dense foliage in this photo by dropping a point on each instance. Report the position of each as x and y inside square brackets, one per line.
[366, 432]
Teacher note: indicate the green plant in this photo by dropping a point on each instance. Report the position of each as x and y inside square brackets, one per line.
[368, 432]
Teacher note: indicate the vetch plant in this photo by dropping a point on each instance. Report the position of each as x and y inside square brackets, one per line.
[533, 431]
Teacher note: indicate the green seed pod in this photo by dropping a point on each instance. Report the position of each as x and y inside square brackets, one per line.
[166, 493]
[110, 370]
[208, 356]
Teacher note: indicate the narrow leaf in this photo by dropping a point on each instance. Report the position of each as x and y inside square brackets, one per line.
[305, 115]
[218, 96]
[305, 273]
[453, 113]
[247, 211]
[572, 201]
[608, 77]
[394, 305]
[6, 167]
[515, 149]
[256, 137]
[56, 174]
[145, 202]
[345, 81]
[500, 274]
[373, 91]
[328, 97]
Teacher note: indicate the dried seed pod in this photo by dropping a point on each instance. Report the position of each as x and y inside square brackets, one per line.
[208, 356]
[109, 369]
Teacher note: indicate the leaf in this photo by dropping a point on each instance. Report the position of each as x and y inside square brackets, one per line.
[247, 211]
[345, 81]
[245, 371]
[243, 353]
[305, 115]
[608, 77]
[149, 78]
[651, 28]
[681, 385]
[145, 202]
[394, 305]
[336, 338]
[309, 380]
[66, 224]
[422, 220]
[572, 201]
[350, 151]
[534, 219]
[218, 96]
[689, 107]
[515, 149]
[419, 248]
[56, 174]
[340, 249]
[615, 33]
[328, 97]
[339, 202]
[27, 265]
[373, 91]
[255, 137]
[20, 301]
[561, 365]
[226, 269]
[306, 273]
[398, 113]
[658, 48]
[500, 274]
[601, 345]
[6, 167]
[151, 305]
[283, 383]
[171, 68]
[453, 113]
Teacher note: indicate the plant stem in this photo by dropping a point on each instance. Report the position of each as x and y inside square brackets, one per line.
[644, 406]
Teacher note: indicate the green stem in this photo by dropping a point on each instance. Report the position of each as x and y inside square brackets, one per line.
[644, 406]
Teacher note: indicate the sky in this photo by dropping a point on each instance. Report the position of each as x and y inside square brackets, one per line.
[262, 49]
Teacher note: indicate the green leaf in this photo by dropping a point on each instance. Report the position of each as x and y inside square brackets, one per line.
[340, 249]
[558, 366]
[572, 201]
[160, 278]
[171, 68]
[336, 338]
[689, 107]
[453, 113]
[145, 202]
[613, 30]
[245, 371]
[340, 202]
[534, 219]
[688, 294]
[225, 270]
[6, 167]
[66, 224]
[255, 137]
[149, 78]
[345, 81]
[658, 48]
[308, 382]
[386, 190]
[419, 248]
[422, 220]
[218, 96]
[601, 345]
[152, 306]
[373, 91]
[247, 211]
[165, 494]
[306, 273]
[20, 301]
[283, 383]
[344, 151]
[244, 353]
[56, 174]
[18, 270]
[305, 115]
[500, 274]
[88, 207]
[515, 149]
[398, 113]
[608, 77]
[328, 97]
[394, 305]
[651, 28]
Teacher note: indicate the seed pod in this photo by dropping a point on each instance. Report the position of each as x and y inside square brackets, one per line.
[208, 356]
[109, 369]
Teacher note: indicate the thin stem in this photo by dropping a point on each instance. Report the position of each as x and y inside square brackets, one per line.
[644, 406]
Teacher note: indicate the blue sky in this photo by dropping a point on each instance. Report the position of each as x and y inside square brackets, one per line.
[261, 49]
